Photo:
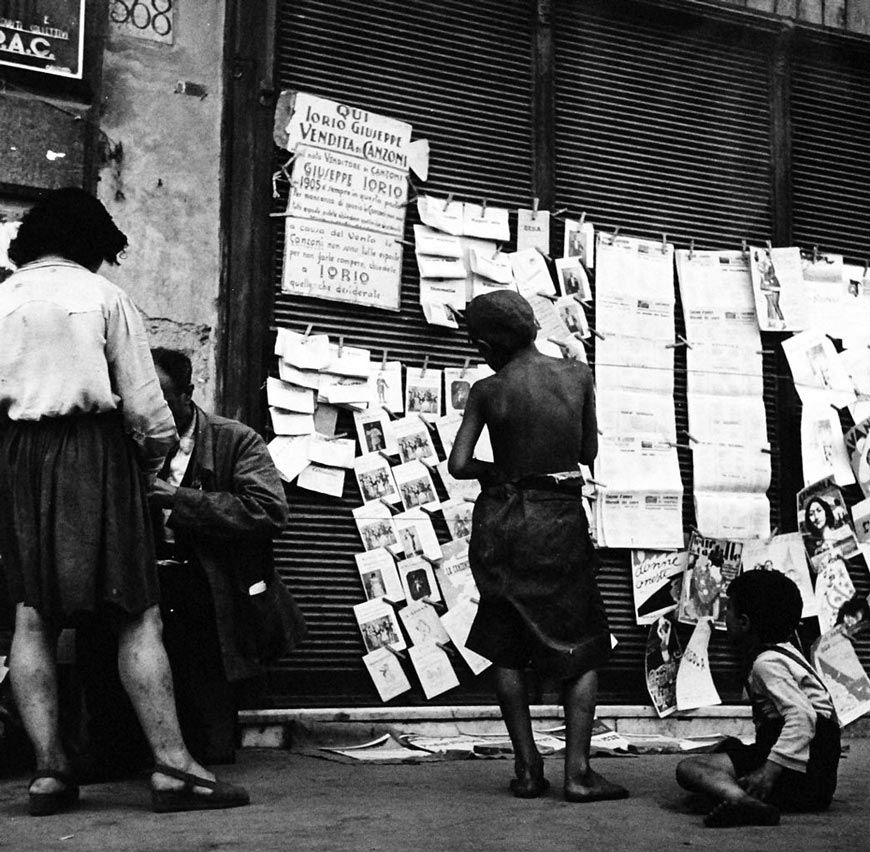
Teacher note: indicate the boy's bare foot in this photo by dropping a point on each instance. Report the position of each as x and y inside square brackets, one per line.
[592, 787]
[530, 782]
[747, 811]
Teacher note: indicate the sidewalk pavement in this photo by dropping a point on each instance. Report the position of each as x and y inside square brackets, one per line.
[305, 803]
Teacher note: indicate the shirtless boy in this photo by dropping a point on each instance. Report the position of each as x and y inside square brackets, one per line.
[530, 550]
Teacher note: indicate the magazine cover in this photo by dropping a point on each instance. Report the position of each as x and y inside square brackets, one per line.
[711, 566]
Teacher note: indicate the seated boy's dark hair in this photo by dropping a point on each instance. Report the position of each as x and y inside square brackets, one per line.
[71, 223]
[176, 365]
[770, 600]
[503, 319]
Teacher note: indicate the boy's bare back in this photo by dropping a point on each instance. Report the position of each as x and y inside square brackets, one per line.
[540, 412]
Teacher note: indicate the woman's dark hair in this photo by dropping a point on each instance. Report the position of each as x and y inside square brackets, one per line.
[770, 600]
[830, 521]
[177, 366]
[70, 223]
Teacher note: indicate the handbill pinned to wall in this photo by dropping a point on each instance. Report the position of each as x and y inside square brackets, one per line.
[346, 205]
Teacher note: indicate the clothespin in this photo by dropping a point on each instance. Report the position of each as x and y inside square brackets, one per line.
[426, 423]
[410, 200]
[691, 249]
[765, 352]
[548, 296]
[664, 243]
[386, 456]
[766, 450]
[483, 207]
[449, 200]
[583, 222]
[395, 653]
[384, 361]
[475, 600]
[497, 251]
[465, 368]
[815, 254]
[600, 432]
[684, 341]
[557, 213]
[404, 243]
[769, 246]
[424, 367]
[597, 333]
[614, 235]
[535, 202]
[340, 346]
[427, 600]
[388, 504]
[545, 255]
[337, 437]
[675, 345]
[454, 314]
[446, 649]
[307, 333]
[866, 266]
[690, 436]
[389, 413]
[595, 482]
[744, 247]
[774, 533]
[578, 298]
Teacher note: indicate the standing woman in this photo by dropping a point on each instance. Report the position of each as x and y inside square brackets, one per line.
[83, 423]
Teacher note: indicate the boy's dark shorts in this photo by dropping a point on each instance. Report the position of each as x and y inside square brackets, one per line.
[812, 790]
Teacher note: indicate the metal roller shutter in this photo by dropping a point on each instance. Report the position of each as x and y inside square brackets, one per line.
[662, 126]
[830, 109]
[460, 74]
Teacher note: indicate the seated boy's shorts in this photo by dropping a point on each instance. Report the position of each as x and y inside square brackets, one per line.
[812, 790]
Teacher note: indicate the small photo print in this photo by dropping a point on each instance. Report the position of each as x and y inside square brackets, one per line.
[416, 446]
[418, 492]
[423, 392]
[573, 279]
[378, 625]
[418, 584]
[374, 437]
[373, 584]
[457, 514]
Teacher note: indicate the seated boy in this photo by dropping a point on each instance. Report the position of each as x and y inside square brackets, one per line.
[793, 763]
[530, 550]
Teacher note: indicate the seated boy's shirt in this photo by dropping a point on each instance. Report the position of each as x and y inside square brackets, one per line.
[781, 688]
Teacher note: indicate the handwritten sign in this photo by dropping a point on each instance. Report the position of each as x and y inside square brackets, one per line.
[342, 264]
[153, 20]
[47, 37]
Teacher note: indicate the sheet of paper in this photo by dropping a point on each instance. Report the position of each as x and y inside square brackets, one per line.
[465, 489]
[786, 554]
[290, 455]
[735, 468]
[323, 479]
[627, 266]
[422, 624]
[379, 576]
[450, 292]
[325, 418]
[432, 266]
[777, 282]
[695, 686]
[632, 412]
[349, 361]
[736, 515]
[385, 386]
[438, 313]
[378, 625]
[834, 587]
[730, 420]
[303, 378]
[432, 242]
[662, 660]
[638, 463]
[440, 214]
[334, 452]
[573, 315]
[414, 440]
[289, 397]
[495, 266]
[573, 280]
[375, 478]
[651, 519]
[656, 577]
[838, 665]
[344, 390]
[457, 385]
[533, 229]
[303, 351]
[823, 448]
[290, 422]
[724, 370]
[457, 516]
[531, 274]
[819, 374]
[457, 622]
[433, 668]
[386, 673]
[486, 222]
[824, 524]
[454, 573]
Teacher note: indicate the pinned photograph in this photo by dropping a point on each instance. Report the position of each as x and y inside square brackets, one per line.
[838, 665]
[414, 440]
[378, 625]
[454, 575]
[786, 554]
[712, 564]
[423, 392]
[375, 479]
[415, 484]
[457, 622]
[657, 580]
[375, 432]
[580, 241]
[573, 280]
[418, 580]
[825, 524]
[457, 515]
[834, 588]
[379, 575]
[385, 387]
[572, 314]
[417, 534]
[386, 673]
[433, 668]
[422, 623]
[662, 661]
[376, 526]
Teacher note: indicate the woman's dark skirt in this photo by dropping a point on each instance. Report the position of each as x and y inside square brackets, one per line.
[74, 530]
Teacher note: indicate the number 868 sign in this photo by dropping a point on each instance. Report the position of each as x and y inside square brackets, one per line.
[149, 19]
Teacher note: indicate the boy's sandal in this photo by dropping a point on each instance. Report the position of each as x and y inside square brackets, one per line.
[731, 814]
[46, 804]
[222, 795]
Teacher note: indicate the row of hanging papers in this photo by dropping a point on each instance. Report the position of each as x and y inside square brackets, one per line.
[636, 490]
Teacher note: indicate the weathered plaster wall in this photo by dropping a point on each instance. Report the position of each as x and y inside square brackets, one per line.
[161, 179]
[851, 16]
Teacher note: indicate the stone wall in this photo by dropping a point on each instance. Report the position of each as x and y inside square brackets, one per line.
[851, 16]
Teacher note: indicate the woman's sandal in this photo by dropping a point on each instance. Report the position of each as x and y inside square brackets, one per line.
[223, 795]
[46, 804]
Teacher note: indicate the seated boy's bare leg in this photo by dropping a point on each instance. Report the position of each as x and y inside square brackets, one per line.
[512, 691]
[582, 783]
[714, 775]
